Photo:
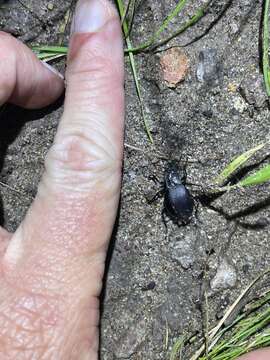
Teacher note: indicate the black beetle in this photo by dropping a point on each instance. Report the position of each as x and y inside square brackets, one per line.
[178, 202]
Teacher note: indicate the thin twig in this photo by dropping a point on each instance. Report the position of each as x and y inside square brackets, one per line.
[11, 188]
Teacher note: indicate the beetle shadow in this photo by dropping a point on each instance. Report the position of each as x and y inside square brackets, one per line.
[206, 200]
[252, 209]
[12, 120]
[174, 142]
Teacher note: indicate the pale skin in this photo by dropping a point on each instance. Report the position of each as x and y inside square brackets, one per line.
[51, 268]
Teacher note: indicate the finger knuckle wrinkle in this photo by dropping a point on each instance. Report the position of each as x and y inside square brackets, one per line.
[78, 153]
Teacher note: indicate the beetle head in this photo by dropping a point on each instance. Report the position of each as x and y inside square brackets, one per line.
[172, 177]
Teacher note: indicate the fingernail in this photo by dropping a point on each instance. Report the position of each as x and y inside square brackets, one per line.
[52, 69]
[91, 15]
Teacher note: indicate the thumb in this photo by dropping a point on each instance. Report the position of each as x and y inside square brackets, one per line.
[71, 219]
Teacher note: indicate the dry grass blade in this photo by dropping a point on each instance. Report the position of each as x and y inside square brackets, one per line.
[214, 332]
[12, 189]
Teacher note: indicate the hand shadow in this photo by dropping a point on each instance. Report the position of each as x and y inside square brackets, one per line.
[12, 119]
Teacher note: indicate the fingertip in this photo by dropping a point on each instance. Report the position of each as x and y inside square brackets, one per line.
[91, 15]
[262, 354]
[25, 81]
[49, 87]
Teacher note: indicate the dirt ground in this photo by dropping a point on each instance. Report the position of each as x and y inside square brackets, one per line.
[156, 279]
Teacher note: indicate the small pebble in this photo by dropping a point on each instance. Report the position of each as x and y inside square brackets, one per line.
[50, 6]
[239, 104]
[149, 286]
[253, 92]
[225, 277]
[174, 65]
[182, 251]
[232, 87]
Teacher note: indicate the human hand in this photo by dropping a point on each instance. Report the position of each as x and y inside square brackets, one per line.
[51, 269]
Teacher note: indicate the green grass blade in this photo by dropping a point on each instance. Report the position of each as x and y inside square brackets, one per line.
[125, 13]
[160, 30]
[176, 352]
[214, 333]
[51, 49]
[259, 177]
[134, 70]
[129, 14]
[250, 333]
[236, 163]
[169, 18]
[132, 14]
[266, 67]
[48, 53]
[193, 20]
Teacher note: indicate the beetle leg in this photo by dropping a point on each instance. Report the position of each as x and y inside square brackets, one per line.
[158, 195]
[193, 184]
[184, 172]
[155, 179]
[163, 213]
[197, 219]
[196, 207]
[184, 177]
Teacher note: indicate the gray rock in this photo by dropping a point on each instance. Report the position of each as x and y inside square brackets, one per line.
[133, 336]
[179, 308]
[239, 104]
[253, 91]
[225, 277]
[210, 69]
[188, 249]
[175, 313]
[182, 251]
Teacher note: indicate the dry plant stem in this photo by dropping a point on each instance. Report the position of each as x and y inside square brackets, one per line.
[212, 334]
[11, 188]
[166, 343]
[206, 324]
